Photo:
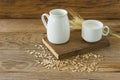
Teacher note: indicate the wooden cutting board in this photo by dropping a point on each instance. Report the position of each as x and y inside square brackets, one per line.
[76, 45]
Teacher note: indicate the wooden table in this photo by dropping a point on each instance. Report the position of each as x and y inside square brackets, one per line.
[18, 35]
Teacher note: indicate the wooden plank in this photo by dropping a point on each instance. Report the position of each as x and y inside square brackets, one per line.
[111, 61]
[21, 25]
[20, 40]
[17, 64]
[15, 51]
[103, 9]
[18, 61]
[35, 25]
[58, 76]
[76, 45]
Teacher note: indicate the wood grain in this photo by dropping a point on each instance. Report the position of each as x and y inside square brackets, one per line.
[102, 9]
[17, 63]
[18, 35]
[59, 76]
[21, 25]
[76, 45]
[35, 25]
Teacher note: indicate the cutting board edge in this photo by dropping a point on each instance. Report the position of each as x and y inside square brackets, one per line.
[50, 48]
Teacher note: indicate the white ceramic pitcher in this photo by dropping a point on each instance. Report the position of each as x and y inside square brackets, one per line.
[58, 30]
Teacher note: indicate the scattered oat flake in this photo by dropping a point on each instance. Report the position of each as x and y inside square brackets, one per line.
[81, 63]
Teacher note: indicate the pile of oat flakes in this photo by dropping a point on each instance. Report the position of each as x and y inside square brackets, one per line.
[87, 62]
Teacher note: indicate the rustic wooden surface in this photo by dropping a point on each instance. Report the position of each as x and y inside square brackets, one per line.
[76, 45]
[18, 36]
[95, 9]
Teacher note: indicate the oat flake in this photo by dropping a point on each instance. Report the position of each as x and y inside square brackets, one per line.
[87, 62]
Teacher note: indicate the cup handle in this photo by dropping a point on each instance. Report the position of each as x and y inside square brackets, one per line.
[43, 19]
[106, 33]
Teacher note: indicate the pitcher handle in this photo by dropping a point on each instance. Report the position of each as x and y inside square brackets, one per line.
[43, 19]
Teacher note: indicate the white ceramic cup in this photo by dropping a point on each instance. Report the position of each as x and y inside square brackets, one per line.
[92, 30]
